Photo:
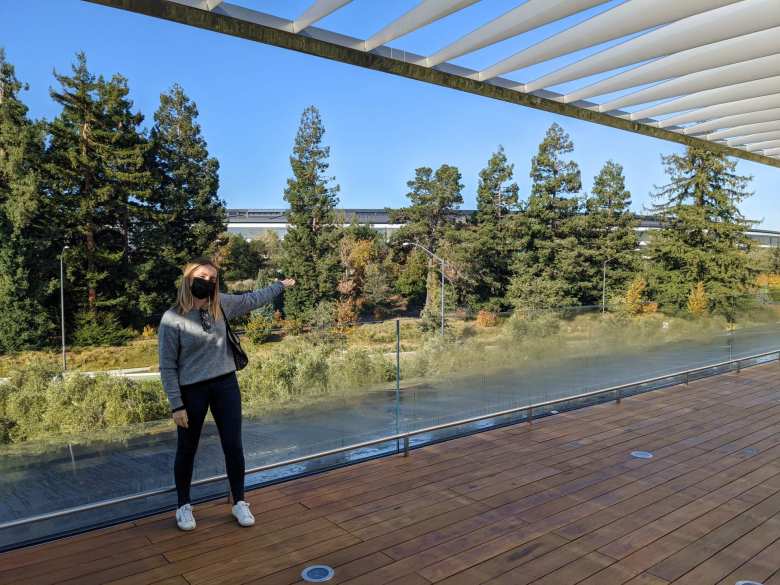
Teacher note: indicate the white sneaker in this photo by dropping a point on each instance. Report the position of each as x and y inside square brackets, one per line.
[242, 513]
[184, 518]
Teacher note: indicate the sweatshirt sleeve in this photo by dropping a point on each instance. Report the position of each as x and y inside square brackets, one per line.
[235, 305]
[168, 348]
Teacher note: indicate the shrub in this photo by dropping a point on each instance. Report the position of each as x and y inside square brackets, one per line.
[100, 328]
[260, 325]
[634, 297]
[149, 331]
[39, 402]
[698, 301]
[346, 313]
[486, 318]
[357, 367]
[538, 325]
[324, 315]
[293, 326]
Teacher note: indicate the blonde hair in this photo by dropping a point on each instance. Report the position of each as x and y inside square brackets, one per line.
[184, 299]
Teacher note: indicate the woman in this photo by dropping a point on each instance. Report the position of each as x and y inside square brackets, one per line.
[198, 371]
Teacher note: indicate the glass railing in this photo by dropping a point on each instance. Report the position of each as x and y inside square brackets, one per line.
[81, 452]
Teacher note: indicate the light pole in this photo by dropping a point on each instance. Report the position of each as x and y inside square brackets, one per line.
[432, 255]
[62, 306]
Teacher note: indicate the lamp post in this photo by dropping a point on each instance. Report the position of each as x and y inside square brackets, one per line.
[62, 306]
[432, 255]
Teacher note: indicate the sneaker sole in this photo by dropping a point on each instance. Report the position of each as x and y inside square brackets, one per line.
[240, 524]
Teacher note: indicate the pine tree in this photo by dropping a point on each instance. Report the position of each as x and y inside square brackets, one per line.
[496, 196]
[26, 246]
[130, 181]
[492, 239]
[95, 168]
[702, 238]
[183, 214]
[310, 247]
[548, 269]
[434, 199]
[607, 235]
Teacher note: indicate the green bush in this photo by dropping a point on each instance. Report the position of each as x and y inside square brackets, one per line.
[39, 403]
[260, 324]
[100, 328]
[323, 316]
[357, 367]
[537, 325]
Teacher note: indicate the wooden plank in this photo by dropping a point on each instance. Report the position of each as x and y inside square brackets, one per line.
[557, 502]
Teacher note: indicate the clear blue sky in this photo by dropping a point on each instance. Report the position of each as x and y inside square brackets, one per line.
[379, 127]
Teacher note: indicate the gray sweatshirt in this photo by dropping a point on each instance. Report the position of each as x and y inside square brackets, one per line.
[188, 354]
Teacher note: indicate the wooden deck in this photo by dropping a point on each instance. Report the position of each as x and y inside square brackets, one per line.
[556, 503]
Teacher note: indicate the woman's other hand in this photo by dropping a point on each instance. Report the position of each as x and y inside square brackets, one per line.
[180, 418]
[288, 282]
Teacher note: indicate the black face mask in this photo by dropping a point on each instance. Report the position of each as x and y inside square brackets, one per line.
[202, 288]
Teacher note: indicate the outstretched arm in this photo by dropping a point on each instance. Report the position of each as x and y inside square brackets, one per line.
[236, 305]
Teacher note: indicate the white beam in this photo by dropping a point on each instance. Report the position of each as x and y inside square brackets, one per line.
[736, 50]
[746, 129]
[210, 4]
[624, 19]
[742, 18]
[752, 138]
[763, 145]
[732, 122]
[700, 81]
[720, 95]
[529, 15]
[758, 104]
[421, 15]
[317, 11]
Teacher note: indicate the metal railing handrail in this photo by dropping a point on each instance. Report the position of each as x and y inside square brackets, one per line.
[405, 436]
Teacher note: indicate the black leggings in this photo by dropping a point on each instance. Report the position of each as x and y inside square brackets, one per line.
[223, 395]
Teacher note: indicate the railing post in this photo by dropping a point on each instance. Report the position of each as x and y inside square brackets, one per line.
[739, 366]
[530, 415]
[687, 377]
[406, 446]
[618, 395]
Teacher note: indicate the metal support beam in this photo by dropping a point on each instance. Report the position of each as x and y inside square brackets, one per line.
[307, 43]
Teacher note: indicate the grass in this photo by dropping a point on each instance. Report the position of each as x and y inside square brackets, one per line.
[44, 411]
[138, 353]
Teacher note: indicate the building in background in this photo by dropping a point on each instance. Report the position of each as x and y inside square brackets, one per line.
[255, 223]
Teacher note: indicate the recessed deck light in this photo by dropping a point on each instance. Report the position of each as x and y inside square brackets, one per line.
[317, 573]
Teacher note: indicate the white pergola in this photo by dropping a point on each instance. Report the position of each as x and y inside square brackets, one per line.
[697, 72]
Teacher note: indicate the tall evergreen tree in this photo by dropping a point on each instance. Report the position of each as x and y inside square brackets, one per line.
[548, 269]
[95, 166]
[183, 214]
[607, 234]
[26, 245]
[702, 238]
[434, 199]
[310, 248]
[130, 182]
[492, 238]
